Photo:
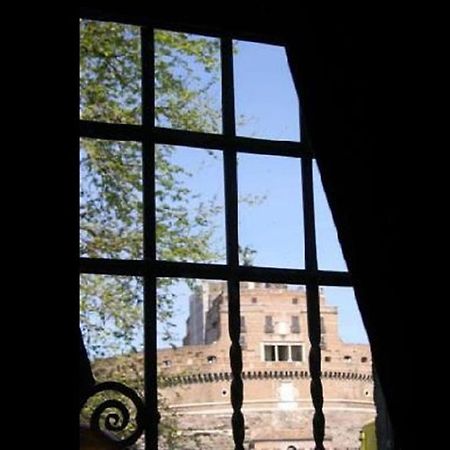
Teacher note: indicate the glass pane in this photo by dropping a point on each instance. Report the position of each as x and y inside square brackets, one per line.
[346, 368]
[187, 82]
[111, 315]
[269, 353]
[189, 205]
[276, 384]
[243, 324]
[296, 351]
[270, 211]
[329, 252]
[283, 353]
[295, 324]
[111, 322]
[110, 199]
[266, 100]
[193, 364]
[110, 72]
[188, 312]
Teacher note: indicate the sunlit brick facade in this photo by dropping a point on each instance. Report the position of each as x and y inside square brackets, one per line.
[195, 379]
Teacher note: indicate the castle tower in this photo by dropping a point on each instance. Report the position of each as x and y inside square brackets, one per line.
[199, 304]
[195, 379]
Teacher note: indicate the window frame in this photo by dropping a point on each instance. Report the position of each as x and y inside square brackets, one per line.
[150, 268]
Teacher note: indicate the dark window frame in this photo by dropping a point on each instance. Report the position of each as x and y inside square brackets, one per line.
[150, 268]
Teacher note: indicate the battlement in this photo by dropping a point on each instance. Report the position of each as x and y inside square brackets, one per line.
[215, 358]
[195, 379]
[274, 333]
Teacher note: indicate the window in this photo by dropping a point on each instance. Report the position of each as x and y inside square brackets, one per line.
[242, 324]
[297, 353]
[269, 353]
[268, 325]
[128, 126]
[295, 324]
[322, 342]
[322, 325]
[322, 333]
[283, 352]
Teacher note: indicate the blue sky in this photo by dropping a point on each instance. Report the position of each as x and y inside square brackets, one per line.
[265, 96]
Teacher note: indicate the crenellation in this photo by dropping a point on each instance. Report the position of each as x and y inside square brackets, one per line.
[275, 368]
[195, 378]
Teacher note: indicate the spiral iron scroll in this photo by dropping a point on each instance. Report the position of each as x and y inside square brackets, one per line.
[115, 422]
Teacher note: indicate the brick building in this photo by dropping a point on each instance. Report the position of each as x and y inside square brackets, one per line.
[195, 378]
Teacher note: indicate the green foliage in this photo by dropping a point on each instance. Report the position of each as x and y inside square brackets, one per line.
[246, 255]
[111, 209]
[123, 369]
[109, 72]
[183, 97]
[129, 370]
[111, 313]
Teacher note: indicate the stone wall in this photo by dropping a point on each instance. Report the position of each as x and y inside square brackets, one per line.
[195, 379]
[275, 429]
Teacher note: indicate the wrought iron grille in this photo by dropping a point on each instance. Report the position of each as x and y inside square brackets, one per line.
[150, 267]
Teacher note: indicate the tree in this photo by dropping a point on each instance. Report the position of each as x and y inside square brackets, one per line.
[111, 172]
[246, 253]
[111, 208]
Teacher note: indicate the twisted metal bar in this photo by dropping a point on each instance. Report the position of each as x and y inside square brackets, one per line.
[115, 422]
[231, 207]
[312, 298]
[237, 387]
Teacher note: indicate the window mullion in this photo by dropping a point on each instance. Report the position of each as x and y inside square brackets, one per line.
[231, 210]
[149, 217]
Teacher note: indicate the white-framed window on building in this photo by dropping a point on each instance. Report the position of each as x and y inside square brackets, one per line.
[277, 352]
[268, 324]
